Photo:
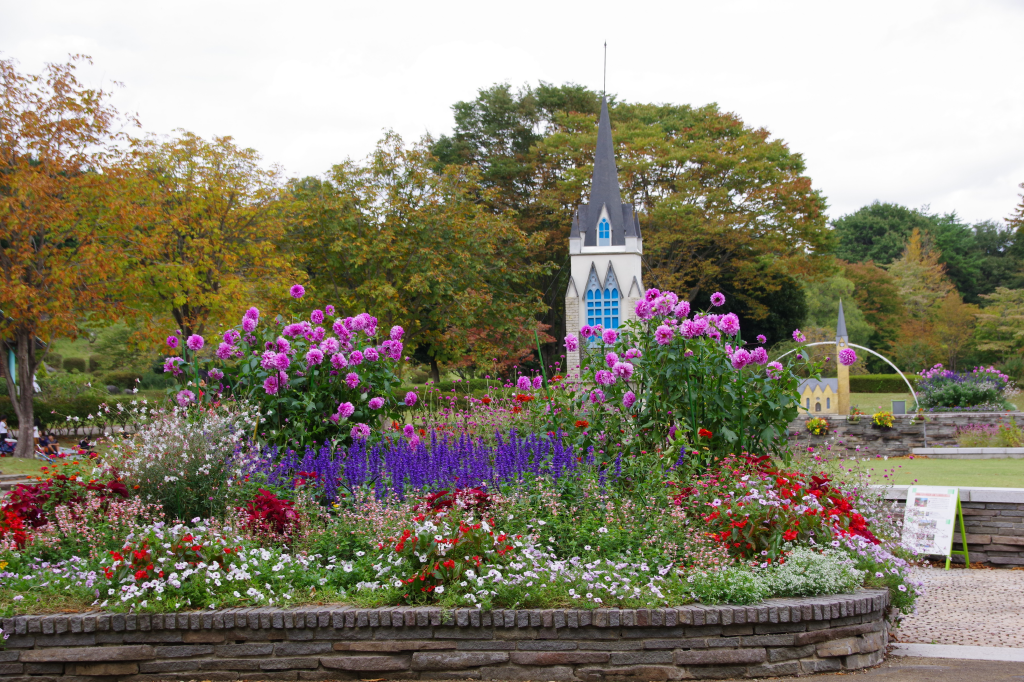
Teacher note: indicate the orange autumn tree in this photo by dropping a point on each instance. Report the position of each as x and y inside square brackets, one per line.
[58, 217]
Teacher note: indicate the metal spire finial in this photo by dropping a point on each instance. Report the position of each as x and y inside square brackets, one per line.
[604, 82]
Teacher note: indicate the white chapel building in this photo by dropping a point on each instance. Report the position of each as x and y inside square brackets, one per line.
[605, 251]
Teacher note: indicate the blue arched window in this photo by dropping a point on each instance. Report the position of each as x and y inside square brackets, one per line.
[603, 308]
[604, 233]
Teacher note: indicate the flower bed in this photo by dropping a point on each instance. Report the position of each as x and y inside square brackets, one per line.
[284, 473]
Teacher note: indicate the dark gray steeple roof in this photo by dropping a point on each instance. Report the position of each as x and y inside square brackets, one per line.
[605, 193]
[841, 325]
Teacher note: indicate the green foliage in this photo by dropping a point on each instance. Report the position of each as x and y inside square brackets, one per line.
[823, 297]
[881, 383]
[75, 365]
[55, 360]
[1000, 329]
[876, 233]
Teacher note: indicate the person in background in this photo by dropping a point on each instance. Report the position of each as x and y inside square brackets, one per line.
[3, 429]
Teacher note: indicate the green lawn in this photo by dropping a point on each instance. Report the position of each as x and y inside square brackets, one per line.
[876, 402]
[964, 473]
[17, 465]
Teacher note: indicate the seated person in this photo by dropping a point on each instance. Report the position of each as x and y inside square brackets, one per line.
[84, 445]
[48, 444]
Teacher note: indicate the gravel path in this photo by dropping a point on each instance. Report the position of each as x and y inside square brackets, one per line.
[974, 607]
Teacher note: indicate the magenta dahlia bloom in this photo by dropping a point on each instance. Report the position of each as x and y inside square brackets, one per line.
[644, 309]
[396, 333]
[329, 309]
[268, 360]
[847, 356]
[317, 316]
[329, 346]
[355, 358]
[610, 359]
[759, 355]
[270, 385]
[171, 365]
[740, 359]
[360, 431]
[215, 374]
[395, 350]
[195, 342]
[761, 338]
[663, 306]
[225, 351]
[352, 379]
[571, 342]
[185, 398]
[297, 291]
[774, 370]
[172, 342]
[798, 336]
[339, 327]
[730, 324]
[345, 410]
[371, 355]
[282, 345]
[586, 331]
[688, 354]
[538, 382]
[651, 294]
[682, 311]
[338, 361]
[408, 431]
[231, 336]
[523, 384]
[282, 361]
[252, 313]
[623, 370]
[249, 324]
[663, 334]
[314, 357]
[604, 377]
[410, 399]
[609, 336]
[633, 353]
[597, 396]
[376, 403]
[629, 399]
[717, 299]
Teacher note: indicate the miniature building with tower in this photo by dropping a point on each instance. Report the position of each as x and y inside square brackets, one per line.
[605, 251]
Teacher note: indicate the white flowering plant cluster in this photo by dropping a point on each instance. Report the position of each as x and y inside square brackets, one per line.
[185, 459]
[807, 572]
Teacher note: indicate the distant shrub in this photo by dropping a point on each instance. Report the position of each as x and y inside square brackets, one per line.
[96, 363]
[881, 383]
[155, 380]
[75, 364]
[467, 386]
[55, 360]
[123, 378]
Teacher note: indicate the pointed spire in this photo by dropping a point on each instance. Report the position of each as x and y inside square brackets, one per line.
[604, 190]
[841, 334]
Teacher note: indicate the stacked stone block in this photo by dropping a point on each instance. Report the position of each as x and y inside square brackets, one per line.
[779, 637]
[938, 430]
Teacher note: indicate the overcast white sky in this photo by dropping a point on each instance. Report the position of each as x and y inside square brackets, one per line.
[904, 101]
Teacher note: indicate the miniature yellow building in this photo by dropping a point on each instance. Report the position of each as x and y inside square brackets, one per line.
[819, 396]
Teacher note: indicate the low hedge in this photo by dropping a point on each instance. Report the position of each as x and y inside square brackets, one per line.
[881, 383]
[53, 414]
[76, 364]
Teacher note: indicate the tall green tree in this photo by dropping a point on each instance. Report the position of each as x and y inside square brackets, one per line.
[823, 296]
[413, 241]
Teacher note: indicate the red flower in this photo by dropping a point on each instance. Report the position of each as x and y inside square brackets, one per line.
[523, 398]
[582, 423]
[486, 400]
[789, 535]
[704, 433]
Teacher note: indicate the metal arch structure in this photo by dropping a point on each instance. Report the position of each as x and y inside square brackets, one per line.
[884, 359]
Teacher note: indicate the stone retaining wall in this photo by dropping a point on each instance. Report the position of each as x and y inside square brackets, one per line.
[994, 521]
[779, 637]
[937, 431]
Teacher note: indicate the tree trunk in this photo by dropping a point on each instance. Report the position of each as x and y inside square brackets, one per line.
[435, 372]
[25, 359]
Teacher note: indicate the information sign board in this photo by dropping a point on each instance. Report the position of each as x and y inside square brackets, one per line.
[928, 520]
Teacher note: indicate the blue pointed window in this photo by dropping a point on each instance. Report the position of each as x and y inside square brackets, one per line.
[604, 233]
[603, 308]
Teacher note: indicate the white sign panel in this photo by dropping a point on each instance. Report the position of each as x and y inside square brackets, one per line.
[928, 519]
